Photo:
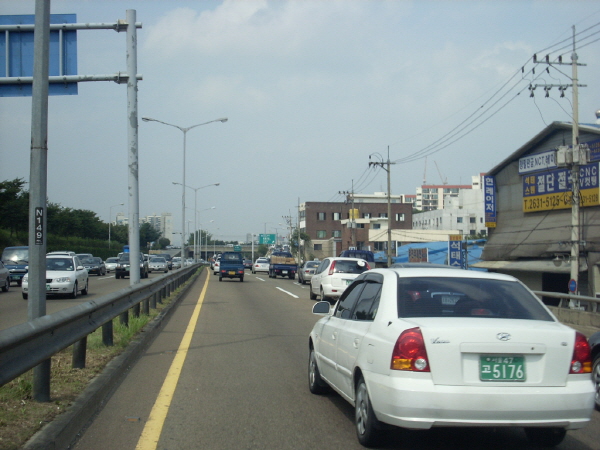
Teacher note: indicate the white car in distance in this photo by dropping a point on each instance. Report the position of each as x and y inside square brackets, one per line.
[423, 348]
[334, 275]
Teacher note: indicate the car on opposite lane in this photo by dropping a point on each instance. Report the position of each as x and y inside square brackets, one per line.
[158, 264]
[424, 348]
[334, 275]
[94, 265]
[111, 264]
[4, 278]
[123, 266]
[306, 272]
[261, 265]
[65, 275]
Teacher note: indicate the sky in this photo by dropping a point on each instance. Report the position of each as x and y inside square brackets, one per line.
[311, 89]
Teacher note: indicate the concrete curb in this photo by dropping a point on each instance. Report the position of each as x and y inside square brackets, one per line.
[62, 432]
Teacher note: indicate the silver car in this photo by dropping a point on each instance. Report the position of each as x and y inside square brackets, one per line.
[4, 278]
[158, 264]
[111, 264]
[307, 271]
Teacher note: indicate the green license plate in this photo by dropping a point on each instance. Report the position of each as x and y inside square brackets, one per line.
[47, 287]
[501, 368]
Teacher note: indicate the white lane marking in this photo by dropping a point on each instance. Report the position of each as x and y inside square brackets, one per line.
[288, 293]
[259, 278]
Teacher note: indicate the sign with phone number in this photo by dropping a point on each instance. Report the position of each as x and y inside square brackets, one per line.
[552, 190]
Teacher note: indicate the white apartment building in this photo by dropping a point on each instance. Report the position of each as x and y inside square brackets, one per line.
[433, 196]
[162, 223]
[463, 212]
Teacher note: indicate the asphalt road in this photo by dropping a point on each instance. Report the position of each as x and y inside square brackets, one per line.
[239, 381]
[13, 309]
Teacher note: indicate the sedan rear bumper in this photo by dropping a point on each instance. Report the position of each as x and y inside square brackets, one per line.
[419, 404]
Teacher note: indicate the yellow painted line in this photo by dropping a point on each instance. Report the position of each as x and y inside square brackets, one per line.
[153, 428]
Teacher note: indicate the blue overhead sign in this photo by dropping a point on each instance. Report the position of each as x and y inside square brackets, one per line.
[16, 55]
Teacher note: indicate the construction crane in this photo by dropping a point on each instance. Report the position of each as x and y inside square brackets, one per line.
[444, 180]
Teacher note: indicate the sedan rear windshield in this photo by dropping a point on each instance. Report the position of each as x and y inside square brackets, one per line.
[467, 297]
[345, 266]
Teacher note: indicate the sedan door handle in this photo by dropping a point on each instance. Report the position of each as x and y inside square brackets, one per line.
[356, 342]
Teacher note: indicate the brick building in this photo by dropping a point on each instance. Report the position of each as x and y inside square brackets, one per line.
[332, 228]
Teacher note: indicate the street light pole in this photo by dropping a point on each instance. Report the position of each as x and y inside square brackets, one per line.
[110, 220]
[196, 209]
[184, 131]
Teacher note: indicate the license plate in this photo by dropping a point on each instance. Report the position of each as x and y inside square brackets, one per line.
[284, 272]
[48, 287]
[231, 272]
[501, 368]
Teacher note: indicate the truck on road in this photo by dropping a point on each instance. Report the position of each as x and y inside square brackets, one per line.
[231, 266]
[282, 264]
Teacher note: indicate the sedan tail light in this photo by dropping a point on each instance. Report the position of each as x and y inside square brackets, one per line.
[409, 352]
[582, 358]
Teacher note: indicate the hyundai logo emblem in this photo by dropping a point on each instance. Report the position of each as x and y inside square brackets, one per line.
[503, 336]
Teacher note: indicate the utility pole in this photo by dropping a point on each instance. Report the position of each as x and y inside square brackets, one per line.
[389, 202]
[352, 216]
[573, 158]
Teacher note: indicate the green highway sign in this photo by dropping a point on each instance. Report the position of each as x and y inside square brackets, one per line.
[237, 248]
[266, 239]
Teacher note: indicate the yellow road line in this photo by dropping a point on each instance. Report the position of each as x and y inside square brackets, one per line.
[153, 428]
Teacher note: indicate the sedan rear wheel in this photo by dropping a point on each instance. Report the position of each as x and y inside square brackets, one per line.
[368, 431]
[84, 291]
[546, 437]
[6, 286]
[311, 294]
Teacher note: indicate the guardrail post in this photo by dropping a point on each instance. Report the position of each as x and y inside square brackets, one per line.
[124, 318]
[153, 300]
[79, 349]
[146, 306]
[136, 310]
[107, 334]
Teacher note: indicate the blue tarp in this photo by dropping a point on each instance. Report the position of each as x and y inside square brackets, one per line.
[438, 252]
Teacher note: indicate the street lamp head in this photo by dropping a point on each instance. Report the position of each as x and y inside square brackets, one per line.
[224, 119]
[147, 119]
[217, 184]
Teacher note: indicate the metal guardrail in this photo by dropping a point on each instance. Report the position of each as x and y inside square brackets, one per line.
[26, 345]
[576, 298]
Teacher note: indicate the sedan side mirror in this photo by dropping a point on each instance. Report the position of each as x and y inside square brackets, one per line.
[321, 308]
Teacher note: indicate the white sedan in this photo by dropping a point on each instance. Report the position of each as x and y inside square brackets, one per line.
[65, 275]
[423, 348]
[334, 275]
[261, 265]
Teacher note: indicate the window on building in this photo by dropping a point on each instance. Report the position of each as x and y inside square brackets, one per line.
[383, 215]
[399, 217]
[472, 232]
[336, 233]
[318, 247]
[472, 219]
[377, 226]
[366, 215]
[459, 220]
[337, 216]
[320, 216]
[321, 234]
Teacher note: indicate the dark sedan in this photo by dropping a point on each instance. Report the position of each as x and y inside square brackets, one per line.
[247, 264]
[94, 265]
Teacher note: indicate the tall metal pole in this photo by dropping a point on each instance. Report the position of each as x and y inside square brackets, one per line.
[389, 201]
[132, 143]
[575, 175]
[38, 179]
